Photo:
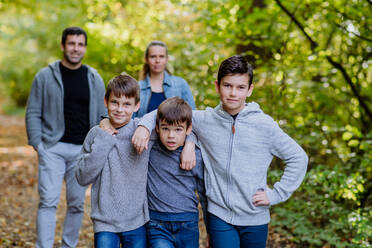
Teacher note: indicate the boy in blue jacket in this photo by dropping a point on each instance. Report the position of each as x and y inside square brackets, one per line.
[238, 142]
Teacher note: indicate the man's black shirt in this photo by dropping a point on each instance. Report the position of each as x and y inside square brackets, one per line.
[76, 104]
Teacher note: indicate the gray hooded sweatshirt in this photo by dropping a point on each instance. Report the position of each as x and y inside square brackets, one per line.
[237, 154]
[44, 114]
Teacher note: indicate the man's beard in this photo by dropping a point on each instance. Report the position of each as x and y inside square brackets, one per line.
[72, 62]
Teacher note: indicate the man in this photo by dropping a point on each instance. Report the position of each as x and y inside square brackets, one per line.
[66, 100]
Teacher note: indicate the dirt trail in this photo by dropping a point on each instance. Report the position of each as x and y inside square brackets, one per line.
[19, 198]
[18, 190]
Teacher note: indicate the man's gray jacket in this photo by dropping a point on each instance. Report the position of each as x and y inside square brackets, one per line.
[44, 114]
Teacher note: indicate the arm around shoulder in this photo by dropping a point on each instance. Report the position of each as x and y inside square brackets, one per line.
[148, 121]
[296, 160]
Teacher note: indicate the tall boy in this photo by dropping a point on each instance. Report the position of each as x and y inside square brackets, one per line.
[238, 142]
[173, 203]
[66, 100]
[117, 172]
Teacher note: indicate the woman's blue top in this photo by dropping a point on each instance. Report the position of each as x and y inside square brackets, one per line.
[155, 100]
[172, 85]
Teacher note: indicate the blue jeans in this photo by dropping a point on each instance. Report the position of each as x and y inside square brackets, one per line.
[223, 234]
[173, 234]
[131, 239]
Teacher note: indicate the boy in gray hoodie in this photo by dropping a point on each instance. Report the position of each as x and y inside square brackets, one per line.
[238, 142]
[118, 174]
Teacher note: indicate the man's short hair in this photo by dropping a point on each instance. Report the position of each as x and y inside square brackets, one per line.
[236, 64]
[123, 85]
[73, 31]
[173, 111]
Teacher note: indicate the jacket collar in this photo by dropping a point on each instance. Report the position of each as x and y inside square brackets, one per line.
[56, 71]
[167, 80]
[251, 107]
[55, 68]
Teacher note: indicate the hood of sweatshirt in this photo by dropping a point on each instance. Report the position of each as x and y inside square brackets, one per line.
[56, 72]
[249, 108]
[55, 66]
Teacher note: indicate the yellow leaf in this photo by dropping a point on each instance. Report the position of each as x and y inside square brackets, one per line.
[360, 187]
[347, 135]
[353, 143]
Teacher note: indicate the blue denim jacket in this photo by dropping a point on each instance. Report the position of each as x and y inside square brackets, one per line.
[172, 85]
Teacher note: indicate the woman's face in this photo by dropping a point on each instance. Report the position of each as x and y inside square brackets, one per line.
[157, 59]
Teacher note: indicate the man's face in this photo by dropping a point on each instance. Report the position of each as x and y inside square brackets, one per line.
[157, 59]
[74, 50]
[234, 90]
[120, 109]
[172, 136]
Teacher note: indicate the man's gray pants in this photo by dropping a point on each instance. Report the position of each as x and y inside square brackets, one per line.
[56, 164]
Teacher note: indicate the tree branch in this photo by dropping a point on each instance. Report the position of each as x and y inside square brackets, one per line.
[329, 40]
[357, 35]
[330, 60]
[352, 86]
[325, 135]
[299, 25]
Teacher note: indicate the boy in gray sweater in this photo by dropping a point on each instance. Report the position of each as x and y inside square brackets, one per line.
[171, 191]
[238, 142]
[118, 174]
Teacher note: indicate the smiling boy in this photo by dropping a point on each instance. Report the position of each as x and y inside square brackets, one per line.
[238, 142]
[117, 172]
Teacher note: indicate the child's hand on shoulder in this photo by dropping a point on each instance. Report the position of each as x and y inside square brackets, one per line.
[188, 157]
[106, 126]
[260, 198]
[140, 139]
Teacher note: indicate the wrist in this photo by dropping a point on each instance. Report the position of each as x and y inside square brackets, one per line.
[189, 144]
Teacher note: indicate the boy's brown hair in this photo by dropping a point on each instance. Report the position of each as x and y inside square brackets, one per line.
[236, 64]
[173, 111]
[123, 85]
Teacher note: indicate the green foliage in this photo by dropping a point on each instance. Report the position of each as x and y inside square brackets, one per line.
[313, 74]
[323, 210]
[305, 75]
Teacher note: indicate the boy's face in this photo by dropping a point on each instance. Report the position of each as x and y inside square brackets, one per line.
[234, 90]
[172, 136]
[120, 109]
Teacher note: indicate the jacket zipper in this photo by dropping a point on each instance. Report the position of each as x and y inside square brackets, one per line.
[228, 168]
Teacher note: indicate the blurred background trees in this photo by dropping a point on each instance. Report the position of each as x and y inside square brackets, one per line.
[313, 74]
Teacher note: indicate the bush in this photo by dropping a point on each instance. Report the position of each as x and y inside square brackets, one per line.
[325, 210]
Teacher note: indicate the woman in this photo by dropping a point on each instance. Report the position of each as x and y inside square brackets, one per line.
[157, 83]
